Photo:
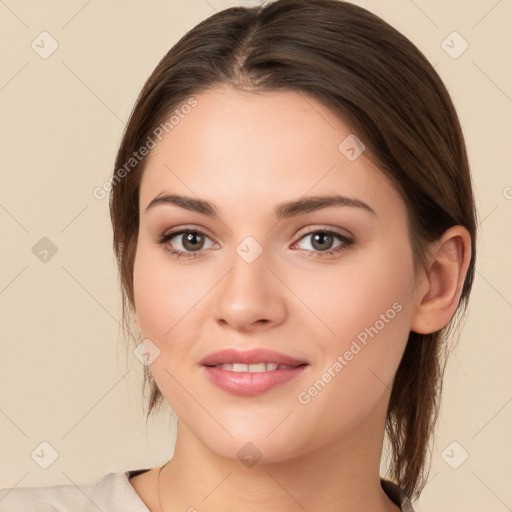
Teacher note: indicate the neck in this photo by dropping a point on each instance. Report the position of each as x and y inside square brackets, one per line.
[340, 476]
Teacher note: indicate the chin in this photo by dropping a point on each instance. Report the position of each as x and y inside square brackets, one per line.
[256, 441]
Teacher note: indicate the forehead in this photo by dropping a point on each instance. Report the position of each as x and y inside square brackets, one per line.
[261, 147]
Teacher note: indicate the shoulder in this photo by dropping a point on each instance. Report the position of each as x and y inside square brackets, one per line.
[113, 492]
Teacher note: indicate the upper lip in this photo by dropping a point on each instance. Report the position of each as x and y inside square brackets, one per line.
[257, 355]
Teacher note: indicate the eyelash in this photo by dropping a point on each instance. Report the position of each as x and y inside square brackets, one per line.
[163, 239]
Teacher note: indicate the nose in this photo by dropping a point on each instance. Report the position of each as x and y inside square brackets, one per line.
[250, 296]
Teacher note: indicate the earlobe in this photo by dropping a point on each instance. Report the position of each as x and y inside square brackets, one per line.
[449, 262]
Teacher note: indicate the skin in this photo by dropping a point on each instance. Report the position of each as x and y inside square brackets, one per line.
[247, 153]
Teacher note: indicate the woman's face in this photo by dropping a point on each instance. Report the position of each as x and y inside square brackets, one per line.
[257, 280]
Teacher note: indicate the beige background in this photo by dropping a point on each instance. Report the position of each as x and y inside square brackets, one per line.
[64, 378]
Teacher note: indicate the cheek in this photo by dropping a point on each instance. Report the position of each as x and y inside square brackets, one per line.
[352, 297]
[163, 297]
[158, 299]
[148, 285]
[168, 299]
[367, 308]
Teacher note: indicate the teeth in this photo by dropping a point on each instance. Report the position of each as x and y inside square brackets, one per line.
[253, 368]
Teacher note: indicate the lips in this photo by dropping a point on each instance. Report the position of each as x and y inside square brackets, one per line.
[246, 357]
[251, 372]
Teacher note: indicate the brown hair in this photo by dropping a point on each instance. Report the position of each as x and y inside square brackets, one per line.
[384, 89]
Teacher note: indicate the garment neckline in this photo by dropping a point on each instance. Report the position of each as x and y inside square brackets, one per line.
[395, 493]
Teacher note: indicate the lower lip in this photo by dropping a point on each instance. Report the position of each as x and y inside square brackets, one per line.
[251, 383]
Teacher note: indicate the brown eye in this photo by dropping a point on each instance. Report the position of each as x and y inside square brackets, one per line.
[193, 241]
[322, 242]
[188, 243]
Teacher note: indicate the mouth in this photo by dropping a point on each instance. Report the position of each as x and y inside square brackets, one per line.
[255, 367]
[253, 359]
[250, 373]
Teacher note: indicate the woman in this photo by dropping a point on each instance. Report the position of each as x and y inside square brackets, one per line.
[295, 231]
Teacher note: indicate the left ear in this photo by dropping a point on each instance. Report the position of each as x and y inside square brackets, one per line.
[448, 264]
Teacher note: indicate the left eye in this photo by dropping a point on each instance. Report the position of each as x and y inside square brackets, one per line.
[322, 240]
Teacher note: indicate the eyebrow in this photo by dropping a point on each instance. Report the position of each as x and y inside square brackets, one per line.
[285, 210]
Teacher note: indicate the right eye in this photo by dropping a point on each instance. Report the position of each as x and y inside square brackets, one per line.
[190, 245]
